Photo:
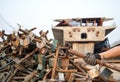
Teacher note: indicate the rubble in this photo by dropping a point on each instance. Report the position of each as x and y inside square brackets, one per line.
[26, 57]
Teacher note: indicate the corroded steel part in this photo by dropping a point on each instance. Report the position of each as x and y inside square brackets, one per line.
[79, 54]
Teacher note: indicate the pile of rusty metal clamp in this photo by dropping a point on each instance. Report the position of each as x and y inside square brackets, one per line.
[26, 57]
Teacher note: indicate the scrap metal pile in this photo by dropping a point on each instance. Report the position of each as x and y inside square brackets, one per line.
[26, 57]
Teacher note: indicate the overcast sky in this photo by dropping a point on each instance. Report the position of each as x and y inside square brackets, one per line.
[41, 13]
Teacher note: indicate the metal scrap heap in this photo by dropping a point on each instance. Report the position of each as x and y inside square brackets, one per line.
[26, 57]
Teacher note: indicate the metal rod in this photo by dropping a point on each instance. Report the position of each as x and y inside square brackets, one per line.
[79, 54]
[55, 63]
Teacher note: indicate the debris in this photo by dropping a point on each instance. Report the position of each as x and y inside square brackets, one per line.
[26, 57]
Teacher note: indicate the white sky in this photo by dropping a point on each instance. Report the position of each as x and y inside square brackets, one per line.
[41, 13]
